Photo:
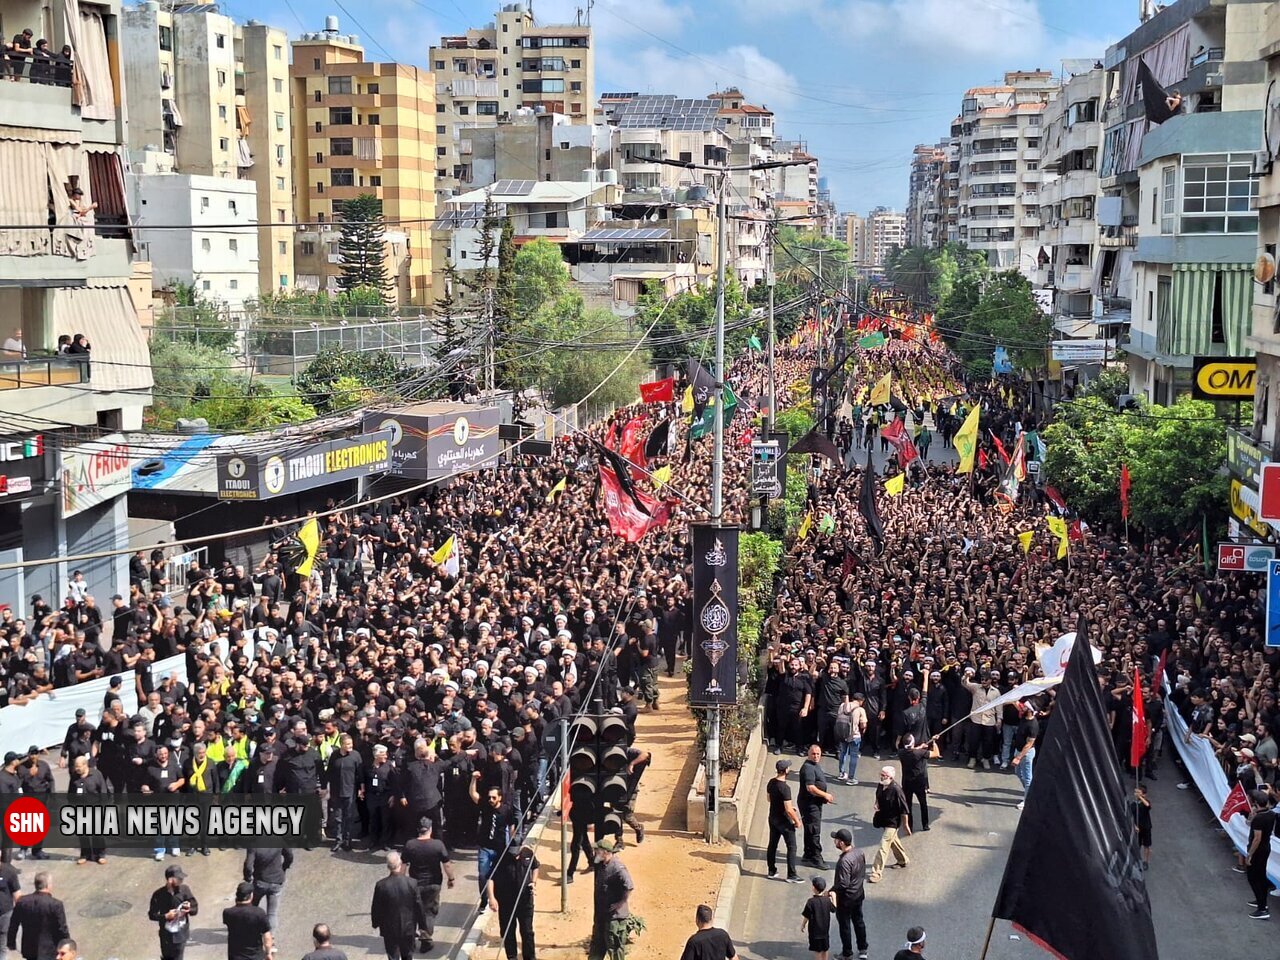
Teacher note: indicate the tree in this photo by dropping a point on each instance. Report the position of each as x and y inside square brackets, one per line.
[913, 270]
[796, 257]
[487, 244]
[1108, 386]
[504, 300]
[445, 321]
[681, 325]
[362, 247]
[377, 371]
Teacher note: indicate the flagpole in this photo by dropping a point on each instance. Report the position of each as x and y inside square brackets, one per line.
[986, 944]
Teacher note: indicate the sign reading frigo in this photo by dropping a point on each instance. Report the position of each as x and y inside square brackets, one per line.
[257, 477]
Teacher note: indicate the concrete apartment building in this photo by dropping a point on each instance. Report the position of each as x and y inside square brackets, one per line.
[924, 203]
[949, 192]
[487, 74]
[855, 230]
[998, 132]
[360, 127]
[209, 98]
[884, 230]
[55, 137]
[750, 129]
[1181, 191]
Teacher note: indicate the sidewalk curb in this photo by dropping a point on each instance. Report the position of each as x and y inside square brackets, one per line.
[728, 892]
[471, 937]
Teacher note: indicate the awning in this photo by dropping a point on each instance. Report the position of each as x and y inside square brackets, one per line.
[33, 135]
[1197, 289]
[118, 358]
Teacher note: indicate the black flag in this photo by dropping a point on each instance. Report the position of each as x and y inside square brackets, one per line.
[623, 471]
[1074, 881]
[703, 386]
[867, 502]
[659, 442]
[816, 442]
[1155, 101]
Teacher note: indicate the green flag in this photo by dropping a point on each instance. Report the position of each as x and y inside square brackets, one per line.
[827, 524]
[754, 343]
[1204, 543]
[871, 341]
[707, 424]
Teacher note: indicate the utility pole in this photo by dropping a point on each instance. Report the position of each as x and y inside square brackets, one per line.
[490, 337]
[771, 280]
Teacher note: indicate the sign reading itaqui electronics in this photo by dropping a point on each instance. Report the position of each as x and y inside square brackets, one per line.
[256, 477]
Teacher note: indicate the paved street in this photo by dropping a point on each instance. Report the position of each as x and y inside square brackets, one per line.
[950, 885]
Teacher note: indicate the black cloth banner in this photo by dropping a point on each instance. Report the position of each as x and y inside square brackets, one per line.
[867, 502]
[659, 442]
[1154, 98]
[703, 386]
[817, 442]
[715, 615]
[1074, 880]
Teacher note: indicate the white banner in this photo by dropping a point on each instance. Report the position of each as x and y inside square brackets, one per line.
[44, 720]
[95, 472]
[1206, 772]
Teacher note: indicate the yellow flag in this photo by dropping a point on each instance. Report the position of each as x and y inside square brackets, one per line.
[443, 554]
[804, 527]
[558, 488]
[1025, 539]
[686, 402]
[880, 392]
[966, 441]
[893, 486]
[309, 536]
[1058, 527]
[661, 476]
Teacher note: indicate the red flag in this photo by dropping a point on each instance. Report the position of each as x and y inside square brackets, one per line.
[847, 566]
[892, 432]
[660, 391]
[633, 439]
[1124, 491]
[1141, 732]
[611, 436]
[626, 519]
[906, 452]
[1000, 447]
[1237, 802]
[1077, 529]
[1055, 497]
[982, 459]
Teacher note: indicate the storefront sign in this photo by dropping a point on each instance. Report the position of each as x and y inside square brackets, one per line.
[95, 472]
[432, 446]
[24, 468]
[1223, 378]
[1245, 456]
[1244, 506]
[1245, 557]
[243, 477]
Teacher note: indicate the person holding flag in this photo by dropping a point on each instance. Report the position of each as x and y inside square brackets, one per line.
[966, 441]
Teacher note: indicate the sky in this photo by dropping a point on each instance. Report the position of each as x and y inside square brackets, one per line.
[862, 81]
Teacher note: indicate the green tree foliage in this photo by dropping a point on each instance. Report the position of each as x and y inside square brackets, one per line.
[360, 302]
[690, 318]
[797, 255]
[195, 319]
[1108, 386]
[335, 372]
[1174, 456]
[914, 272]
[797, 420]
[445, 322]
[362, 247]
[235, 405]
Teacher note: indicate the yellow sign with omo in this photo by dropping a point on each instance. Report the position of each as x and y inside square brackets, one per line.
[1223, 378]
[1244, 511]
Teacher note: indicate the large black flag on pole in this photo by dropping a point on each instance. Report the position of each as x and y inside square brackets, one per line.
[1074, 880]
[1156, 102]
[867, 503]
[816, 442]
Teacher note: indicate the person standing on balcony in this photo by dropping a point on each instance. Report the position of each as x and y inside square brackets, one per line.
[13, 347]
[18, 51]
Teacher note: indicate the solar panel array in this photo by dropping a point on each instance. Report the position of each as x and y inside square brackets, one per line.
[463, 217]
[615, 234]
[666, 112]
[513, 188]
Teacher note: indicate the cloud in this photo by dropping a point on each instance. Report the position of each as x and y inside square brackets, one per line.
[662, 17]
[654, 70]
[945, 29]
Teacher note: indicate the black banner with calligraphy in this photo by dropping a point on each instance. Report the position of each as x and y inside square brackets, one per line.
[715, 615]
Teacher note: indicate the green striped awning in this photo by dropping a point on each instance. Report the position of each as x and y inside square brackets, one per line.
[1187, 327]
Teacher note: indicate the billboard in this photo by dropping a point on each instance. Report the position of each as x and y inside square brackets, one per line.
[1273, 604]
[437, 443]
[24, 466]
[95, 472]
[1245, 557]
[1223, 378]
[261, 477]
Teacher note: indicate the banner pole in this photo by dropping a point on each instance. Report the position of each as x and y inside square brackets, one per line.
[986, 944]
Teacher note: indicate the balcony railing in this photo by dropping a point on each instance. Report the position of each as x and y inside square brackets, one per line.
[43, 372]
[1210, 55]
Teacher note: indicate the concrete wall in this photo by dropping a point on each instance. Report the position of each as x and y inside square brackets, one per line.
[140, 50]
[266, 67]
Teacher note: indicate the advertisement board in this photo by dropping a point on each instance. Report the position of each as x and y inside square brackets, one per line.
[1245, 557]
[1223, 378]
[432, 444]
[261, 477]
[95, 472]
[24, 467]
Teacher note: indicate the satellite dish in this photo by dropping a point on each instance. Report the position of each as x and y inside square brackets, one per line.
[1264, 270]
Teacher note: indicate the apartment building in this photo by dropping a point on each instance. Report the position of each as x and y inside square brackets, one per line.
[855, 230]
[1181, 191]
[885, 230]
[361, 128]
[924, 207]
[750, 130]
[949, 192]
[68, 277]
[998, 132]
[209, 97]
[487, 74]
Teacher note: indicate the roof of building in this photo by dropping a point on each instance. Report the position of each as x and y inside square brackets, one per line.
[666, 112]
[528, 191]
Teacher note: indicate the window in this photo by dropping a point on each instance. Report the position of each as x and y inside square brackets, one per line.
[319, 158]
[575, 86]
[342, 177]
[205, 285]
[222, 111]
[280, 121]
[284, 279]
[487, 108]
[316, 63]
[340, 116]
[231, 206]
[342, 147]
[319, 126]
[441, 172]
[279, 183]
[575, 64]
[686, 156]
[308, 248]
[375, 181]
[278, 51]
[280, 158]
[1219, 330]
[223, 143]
[463, 110]
[166, 38]
[373, 88]
[222, 78]
[564, 145]
[233, 284]
[1216, 194]
[1168, 199]
[318, 96]
[278, 84]
[373, 120]
[221, 40]
[281, 217]
[319, 186]
[233, 245]
[440, 151]
[339, 84]
[204, 203]
[440, 108]
[461, 66]
[206, 245]
[282, 247]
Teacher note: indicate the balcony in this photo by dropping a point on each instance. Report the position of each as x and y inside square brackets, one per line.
[1075, 277]
[43, 372]
[997, 153]
[468, 87]
[1112, 238]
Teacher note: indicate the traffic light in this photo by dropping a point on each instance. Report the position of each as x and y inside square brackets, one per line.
[597, 769]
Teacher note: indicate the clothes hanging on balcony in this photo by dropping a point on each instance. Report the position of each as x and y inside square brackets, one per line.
[244, 156]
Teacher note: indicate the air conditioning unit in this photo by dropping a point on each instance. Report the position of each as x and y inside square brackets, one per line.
[303, 227]
[1261, 163]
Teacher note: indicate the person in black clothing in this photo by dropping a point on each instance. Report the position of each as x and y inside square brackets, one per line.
[851, 870]
[870, 684]
[172, 907]
[249, 934]
[419, 787]
[497, 829]
[813, 797]
[783, 821]
[324, 950]
[1142, 822]
[378, 791]
[1261, 826]
[511, 895]
[89, 785]
[427, 861]
[817, 919]
[41, 919]
[709, 943]
[108, 751]
[10, 886]
[265, 868]
[914, 949]
[793, 700]
[830, 691]
[10, 785]
[37, 781]
[396, 911]
[915, 777]
[345, 776]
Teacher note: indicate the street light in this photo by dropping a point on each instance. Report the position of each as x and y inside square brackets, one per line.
[717, 461]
